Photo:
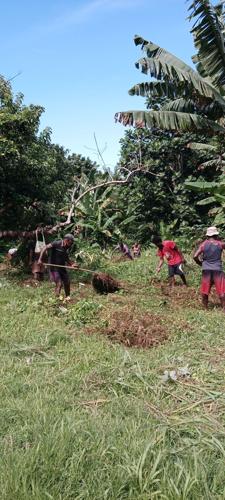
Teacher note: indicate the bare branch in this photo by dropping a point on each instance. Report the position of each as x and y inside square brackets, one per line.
[70, 214]
[49, 230]
[98, 151]
[110, 183]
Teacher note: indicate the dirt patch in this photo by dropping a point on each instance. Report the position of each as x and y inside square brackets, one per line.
[187, 297]
[104, 283]
[135, 328]
[181, 296]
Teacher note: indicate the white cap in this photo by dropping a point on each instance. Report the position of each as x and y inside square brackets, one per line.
[212, 231]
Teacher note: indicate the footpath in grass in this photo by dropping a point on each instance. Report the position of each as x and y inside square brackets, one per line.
[111, 397]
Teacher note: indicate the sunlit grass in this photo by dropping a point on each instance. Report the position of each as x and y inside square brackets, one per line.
[82, 418]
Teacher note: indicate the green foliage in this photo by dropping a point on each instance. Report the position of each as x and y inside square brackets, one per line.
[184, 99]
[216, 198]
[36, 175]
[83, 312]
[160, 194]
[100, 215]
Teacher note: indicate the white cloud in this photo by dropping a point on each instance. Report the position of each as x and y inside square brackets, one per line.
[82, 14]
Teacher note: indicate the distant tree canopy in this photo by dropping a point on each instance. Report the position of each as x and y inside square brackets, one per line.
[35, 173]
[183, 101]
[162, 196]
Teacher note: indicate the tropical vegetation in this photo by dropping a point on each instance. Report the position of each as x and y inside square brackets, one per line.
[180, 98]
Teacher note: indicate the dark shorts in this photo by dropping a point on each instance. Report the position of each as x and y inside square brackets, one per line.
[177, 269]
[210, 278]
[59, 275]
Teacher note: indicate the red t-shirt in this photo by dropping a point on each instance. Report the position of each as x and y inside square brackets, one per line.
[170, 252]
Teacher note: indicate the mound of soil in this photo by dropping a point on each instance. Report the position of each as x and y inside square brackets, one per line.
[104, 283]
[133, 328]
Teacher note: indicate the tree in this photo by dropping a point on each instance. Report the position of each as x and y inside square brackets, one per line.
[36, 175]
[162, 195]
[182, 98]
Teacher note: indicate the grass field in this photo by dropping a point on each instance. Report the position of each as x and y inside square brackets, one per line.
[85, 416]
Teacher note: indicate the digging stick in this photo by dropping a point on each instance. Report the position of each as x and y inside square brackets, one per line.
[71, 268]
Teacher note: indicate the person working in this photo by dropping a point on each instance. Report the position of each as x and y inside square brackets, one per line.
[136, 248]
[59, 257]
[123, 247]
[210, 252]
[169, 250]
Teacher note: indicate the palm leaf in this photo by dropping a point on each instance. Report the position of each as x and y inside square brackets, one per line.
[198, 146]
[216, 162]
[84, 224]
[162, 70]
[206, 201]
[201, 107]
[167, 89]
[168, 120]
[219, 197]
[155, 51]
[128, 220]
[184, 95]
[208, 32]
[205, 187]
[180, 105]
[111, 219]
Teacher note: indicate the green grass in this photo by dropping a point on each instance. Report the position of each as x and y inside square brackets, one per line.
[84, 418]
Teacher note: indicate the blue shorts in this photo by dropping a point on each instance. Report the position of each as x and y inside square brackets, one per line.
[176, 269]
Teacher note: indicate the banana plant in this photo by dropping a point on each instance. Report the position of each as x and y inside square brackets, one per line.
[215, 198]
[180, 97]
[100, 217]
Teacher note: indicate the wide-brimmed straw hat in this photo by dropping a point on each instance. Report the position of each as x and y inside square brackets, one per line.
[212, 231]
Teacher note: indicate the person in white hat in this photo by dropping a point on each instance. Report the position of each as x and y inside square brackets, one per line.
[209, 256]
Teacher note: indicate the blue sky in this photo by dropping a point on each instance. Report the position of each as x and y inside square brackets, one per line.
[77, 59]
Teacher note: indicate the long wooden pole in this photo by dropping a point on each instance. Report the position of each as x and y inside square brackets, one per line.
[70, 267]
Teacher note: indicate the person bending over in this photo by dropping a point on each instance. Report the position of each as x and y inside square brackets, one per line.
[209, 257]
[59, 257]
[168, 250]
[124, 249]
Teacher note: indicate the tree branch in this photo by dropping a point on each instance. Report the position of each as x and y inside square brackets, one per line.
[49, 230]
[110, 183]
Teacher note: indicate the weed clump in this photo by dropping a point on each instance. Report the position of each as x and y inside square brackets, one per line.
[133, 328]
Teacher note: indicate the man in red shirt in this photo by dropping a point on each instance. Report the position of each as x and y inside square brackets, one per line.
[210, 253]
[169, 250]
